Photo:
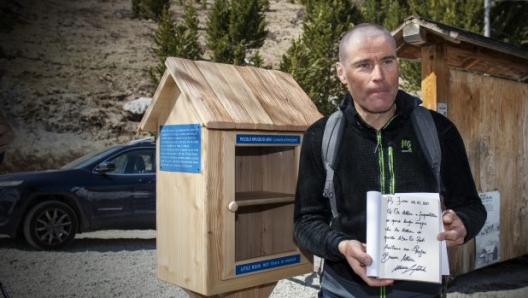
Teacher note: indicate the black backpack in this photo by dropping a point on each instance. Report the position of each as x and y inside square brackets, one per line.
[333, 134]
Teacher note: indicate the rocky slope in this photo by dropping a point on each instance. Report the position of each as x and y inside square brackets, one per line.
[68, 67]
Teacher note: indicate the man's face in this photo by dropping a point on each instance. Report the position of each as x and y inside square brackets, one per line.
[370, 73]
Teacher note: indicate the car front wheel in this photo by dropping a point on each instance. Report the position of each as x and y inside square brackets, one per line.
[50, 225]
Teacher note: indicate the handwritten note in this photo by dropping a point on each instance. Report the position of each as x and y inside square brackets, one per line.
[401, 236]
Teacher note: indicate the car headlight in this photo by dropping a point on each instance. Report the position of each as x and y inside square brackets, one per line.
[10, 183]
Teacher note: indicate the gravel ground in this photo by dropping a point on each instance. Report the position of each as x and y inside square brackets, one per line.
[123, 264]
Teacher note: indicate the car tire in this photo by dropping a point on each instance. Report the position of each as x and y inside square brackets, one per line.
[50, 225]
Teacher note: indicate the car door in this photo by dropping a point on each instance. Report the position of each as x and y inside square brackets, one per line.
[144, 190]
[124, 198]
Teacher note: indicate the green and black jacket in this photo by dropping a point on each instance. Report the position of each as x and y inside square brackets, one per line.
[390, 161]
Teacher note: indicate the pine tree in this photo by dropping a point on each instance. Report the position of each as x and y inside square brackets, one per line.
[295, 60]
[239, 54]
[155, 8]
[311, 59]
[136, 8]
[258, 61]
[164, 38]
[187, 35]
[175, 40]
[235, 28]
[248, 22]
[218, 31]
[509, 22]
[150, 9]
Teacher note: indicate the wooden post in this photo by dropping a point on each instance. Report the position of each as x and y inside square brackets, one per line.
[435, 89]
[435, 78]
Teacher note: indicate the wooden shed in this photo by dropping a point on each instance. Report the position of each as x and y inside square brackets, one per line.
[481, 85]
[227, 151]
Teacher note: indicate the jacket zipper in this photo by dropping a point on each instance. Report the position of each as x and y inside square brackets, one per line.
[381, 162]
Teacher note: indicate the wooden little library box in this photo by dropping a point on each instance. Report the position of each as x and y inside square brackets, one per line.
[228, 146]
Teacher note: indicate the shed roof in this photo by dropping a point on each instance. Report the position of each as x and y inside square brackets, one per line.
[234, 97]
[465, 50]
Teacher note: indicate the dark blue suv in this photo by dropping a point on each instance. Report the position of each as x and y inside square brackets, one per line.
[114, 188]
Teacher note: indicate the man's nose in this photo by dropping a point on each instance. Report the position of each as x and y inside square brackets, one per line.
[377, 73]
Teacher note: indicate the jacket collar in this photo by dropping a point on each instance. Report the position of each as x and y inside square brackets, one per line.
[405, 104]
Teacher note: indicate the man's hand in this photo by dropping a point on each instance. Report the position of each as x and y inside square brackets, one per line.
[355, 253]
[454, 229]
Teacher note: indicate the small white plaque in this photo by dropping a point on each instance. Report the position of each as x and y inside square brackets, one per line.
[442, 108]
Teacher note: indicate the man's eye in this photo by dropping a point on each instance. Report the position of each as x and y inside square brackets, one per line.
[364, 65]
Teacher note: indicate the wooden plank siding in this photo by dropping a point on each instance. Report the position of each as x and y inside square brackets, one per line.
[492, 117]
[484, 84]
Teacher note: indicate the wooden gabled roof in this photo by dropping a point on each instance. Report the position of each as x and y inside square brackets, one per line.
[464, 49]
[234, 97]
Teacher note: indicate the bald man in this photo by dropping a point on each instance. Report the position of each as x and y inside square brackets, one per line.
[371, 157]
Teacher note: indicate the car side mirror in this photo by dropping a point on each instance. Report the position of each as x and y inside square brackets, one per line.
[106, 166]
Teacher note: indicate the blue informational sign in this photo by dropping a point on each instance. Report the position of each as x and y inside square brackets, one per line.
[267, 264]
[268, 139]
[180, 148]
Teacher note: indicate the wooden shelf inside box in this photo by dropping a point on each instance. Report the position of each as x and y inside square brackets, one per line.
[253, 198]
[263, 224]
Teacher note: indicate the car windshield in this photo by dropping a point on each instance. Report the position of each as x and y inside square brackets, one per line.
[88, 158]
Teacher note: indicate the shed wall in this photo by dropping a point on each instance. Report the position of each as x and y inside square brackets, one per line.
[492, 117]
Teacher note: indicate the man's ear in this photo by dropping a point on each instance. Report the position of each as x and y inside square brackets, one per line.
[341, 74]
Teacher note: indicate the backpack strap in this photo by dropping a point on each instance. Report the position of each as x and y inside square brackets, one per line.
[425, 129]
[332, 136]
